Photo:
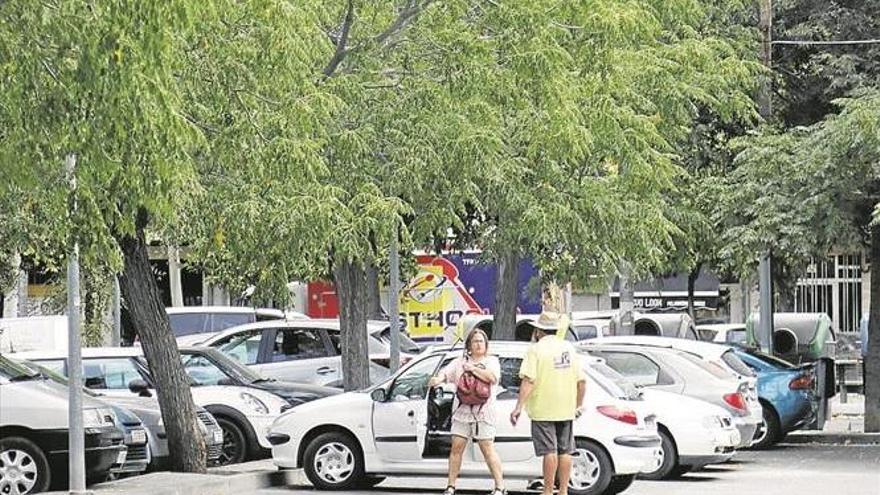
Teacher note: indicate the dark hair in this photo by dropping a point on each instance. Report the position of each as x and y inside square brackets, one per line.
[470, 336]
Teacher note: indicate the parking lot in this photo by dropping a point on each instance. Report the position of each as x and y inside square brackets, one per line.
[789, 469]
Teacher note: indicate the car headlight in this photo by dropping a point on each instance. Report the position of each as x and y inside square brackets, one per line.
[98, 417]
[255, 403]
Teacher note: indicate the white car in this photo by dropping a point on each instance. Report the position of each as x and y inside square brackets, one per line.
[693, 432]
[396, 428]
[306, 351]
[243, 413]
[205, 320]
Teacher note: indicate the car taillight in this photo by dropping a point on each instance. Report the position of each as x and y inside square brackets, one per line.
[737, 401]
[624, 415]
[803, 382]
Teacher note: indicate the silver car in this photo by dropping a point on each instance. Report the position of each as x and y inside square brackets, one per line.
[681, 372]
[307, 351]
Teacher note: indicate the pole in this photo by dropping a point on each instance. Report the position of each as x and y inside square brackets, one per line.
[116, 310]
[765, 107]
[627, 304]
[393, 294]
[76, 433]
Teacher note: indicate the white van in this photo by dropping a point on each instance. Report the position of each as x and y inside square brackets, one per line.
[34, 432]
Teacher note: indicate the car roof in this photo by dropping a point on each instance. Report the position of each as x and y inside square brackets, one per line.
[209, 309]
[373, 326]
[704, 349]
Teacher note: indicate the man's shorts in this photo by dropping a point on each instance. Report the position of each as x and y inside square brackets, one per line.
[479, 430]
[552, 437]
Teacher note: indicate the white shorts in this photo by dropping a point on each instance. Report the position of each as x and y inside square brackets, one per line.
[479, 430]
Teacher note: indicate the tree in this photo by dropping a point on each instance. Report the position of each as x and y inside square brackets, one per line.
[98, 81]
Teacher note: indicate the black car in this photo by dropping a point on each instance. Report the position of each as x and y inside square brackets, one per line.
[209, 366]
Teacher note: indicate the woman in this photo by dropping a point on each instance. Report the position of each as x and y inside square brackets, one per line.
[473, 421]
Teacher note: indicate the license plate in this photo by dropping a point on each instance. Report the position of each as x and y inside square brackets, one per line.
[138, 436]
[120, 458]
[218, 436]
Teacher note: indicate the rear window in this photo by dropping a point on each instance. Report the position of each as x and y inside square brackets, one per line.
[712, 368]
[189, 323]
[780, 363]
[736, 364]
[706, 334]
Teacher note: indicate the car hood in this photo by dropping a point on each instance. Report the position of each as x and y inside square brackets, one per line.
[346, 400]
[295, 392]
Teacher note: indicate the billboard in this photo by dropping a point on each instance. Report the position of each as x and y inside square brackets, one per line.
[447, 287]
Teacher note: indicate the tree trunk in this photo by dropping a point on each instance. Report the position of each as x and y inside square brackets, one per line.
[185, 441]
[374, 301]
[692, 281]
[351, 290]
[872, 360]
[506, 298]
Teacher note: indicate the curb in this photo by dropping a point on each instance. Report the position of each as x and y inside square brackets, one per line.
[215, 482]
[866, 439]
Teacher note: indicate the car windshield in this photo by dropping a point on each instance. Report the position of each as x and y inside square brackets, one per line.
[613, 382]
[54, 376]
[212, 369]
[14, 371]
[775, 361]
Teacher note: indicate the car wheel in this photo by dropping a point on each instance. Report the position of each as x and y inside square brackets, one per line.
[591, 470]
[768, 432]
[234, 449]
[371, 481]
[668, 459]
[23, 467]
[333, 461]
[620, 483]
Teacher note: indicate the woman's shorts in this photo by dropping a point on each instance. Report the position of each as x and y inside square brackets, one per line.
[479, 430]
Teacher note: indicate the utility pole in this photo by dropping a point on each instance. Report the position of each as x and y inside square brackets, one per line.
[393, 295]
[765, 108]
[76, 432]
[626, 320]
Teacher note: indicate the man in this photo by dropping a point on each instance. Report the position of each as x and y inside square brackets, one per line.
[552, 391]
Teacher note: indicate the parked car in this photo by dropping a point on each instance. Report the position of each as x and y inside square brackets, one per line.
[397, 427]
[306, 351]
[34, 433]
[786, 393]
[684, 373]
[189, 320]
[137, 457]
[243, 413]
[723, 333]
[209, 366]
[146, 410]
[693, 432]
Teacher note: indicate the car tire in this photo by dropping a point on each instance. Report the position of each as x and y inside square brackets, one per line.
[591, 469]
[371, 481]
[769, 432]
[333, 461]
[32, 472]
[620, 483]
[235, 444]
[668, 462]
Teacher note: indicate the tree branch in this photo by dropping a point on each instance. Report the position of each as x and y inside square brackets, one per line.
[341, 49]
[410, 12]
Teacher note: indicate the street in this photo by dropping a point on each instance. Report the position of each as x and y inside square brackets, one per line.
[789, 469]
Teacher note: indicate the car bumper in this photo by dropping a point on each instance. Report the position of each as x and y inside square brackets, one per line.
[632, 454]
[104, 447]
[746, 427]
[261, 426]
[137, 457]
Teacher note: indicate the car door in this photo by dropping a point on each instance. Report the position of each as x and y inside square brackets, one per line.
[400, 421]
[299, 355]
[513, 443]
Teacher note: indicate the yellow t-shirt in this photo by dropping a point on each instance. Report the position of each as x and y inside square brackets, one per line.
[554, 367]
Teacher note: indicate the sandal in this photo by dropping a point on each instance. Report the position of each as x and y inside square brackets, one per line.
[450, 490]
[498, 491]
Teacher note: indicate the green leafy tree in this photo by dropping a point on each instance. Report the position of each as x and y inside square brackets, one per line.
[98, 81]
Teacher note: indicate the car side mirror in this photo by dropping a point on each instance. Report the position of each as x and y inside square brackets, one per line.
[379, 395]
[139, 387]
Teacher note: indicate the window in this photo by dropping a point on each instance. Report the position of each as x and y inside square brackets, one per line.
[202, 370]
[637, 367]
[243, 347]
[56, 365]
[692, 334]
[292, 344]
[714, 368]
[222, 321]
[189, 323]
[736, 336]
[736, 364]
[582, 332]
[510, 380]
[110, 373]
[412, 384]
[706, 334]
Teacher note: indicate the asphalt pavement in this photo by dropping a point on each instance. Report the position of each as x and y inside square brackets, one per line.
[789, 469]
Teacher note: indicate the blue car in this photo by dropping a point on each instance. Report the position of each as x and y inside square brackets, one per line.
[786, 395]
